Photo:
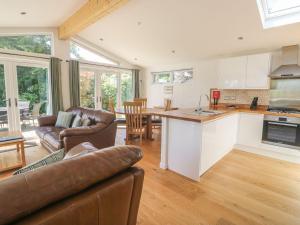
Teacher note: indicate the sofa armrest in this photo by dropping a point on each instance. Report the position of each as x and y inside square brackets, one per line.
[81, 131]
[47, 121]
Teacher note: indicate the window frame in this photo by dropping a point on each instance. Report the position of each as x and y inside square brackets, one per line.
[279, 18]
[172, 76]
[93, 50]
[24, 53]
[98, 71]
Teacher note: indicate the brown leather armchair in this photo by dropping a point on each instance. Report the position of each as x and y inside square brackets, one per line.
[101, 133]
[98, 188]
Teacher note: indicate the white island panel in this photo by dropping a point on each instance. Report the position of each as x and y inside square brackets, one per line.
[184, 147]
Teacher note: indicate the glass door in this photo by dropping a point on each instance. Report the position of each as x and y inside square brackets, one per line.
[4, 125]
[109, 85]
[98, 87]
[87, 88]
[33, 96]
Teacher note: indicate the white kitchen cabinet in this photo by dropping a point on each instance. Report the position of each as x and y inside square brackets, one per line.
[250, 129]
[218, 138]
[245, 72]
[258, 70]
[232, 73]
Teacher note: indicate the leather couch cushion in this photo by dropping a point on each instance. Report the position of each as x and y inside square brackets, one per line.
[52, 138]
[80, 149]
[42, 131]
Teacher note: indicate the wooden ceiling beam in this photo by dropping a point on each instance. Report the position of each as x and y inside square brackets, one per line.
[88, 14]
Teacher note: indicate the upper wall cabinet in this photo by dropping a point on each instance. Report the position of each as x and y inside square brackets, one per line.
[258, 70]
[232, 72]
[245, 72]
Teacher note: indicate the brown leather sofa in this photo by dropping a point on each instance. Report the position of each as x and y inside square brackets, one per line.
[101, 133]
[98, 188]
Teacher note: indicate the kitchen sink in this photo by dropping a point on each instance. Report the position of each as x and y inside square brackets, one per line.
[205, 112]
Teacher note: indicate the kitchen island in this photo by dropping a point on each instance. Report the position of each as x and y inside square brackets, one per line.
[192, 143]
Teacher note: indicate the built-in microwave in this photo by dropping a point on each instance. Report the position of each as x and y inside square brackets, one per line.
[281, 131]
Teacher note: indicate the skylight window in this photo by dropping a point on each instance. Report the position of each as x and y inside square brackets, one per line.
[276, 13]
[81, 53]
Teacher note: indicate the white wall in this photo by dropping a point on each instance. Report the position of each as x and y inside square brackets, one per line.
[187, 94]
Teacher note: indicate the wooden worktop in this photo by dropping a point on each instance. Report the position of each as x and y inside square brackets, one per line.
[187, 114]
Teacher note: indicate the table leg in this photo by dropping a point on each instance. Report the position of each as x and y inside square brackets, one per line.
[23, 154]
[18, 148]
[149, 127]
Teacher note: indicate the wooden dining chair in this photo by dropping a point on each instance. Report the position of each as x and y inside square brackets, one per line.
[111, 108]
[143, 101]
[167, 104]
[134, 120]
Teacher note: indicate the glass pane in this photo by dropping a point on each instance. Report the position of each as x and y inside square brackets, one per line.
[182, 76]
[27, 43]
[78, 52]
[87, 89]
[33, 95]
[3, 109]
[126, 86]
[109, 89]
[162, 78]
[280, 5]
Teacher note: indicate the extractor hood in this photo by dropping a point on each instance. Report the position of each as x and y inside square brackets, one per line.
[289, 67]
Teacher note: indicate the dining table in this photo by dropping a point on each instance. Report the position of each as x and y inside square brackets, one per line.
[147, 113]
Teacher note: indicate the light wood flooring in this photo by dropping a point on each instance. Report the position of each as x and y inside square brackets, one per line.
[240, 189]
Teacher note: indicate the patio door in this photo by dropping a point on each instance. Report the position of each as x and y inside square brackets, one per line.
[24, 95]
[5, 100]
[99, 86]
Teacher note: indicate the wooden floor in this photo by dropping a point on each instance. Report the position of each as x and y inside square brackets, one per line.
[242, 188]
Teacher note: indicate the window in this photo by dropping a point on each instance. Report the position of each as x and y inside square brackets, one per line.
[279, 12]
[176, 76]
[40, 44]
[182, 76]
[81, 53]
[162, 77]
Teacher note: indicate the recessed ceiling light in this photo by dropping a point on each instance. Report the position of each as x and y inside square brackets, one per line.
[139, 23]
[23, 13]
[240, 38]
[173, 51]
[135, 59]
[101, 39]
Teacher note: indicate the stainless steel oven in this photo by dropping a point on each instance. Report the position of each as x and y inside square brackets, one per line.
[282, 131]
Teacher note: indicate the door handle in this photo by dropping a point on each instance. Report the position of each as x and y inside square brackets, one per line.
[16, 102]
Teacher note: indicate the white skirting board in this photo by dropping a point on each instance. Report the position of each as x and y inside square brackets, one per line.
[277, 152]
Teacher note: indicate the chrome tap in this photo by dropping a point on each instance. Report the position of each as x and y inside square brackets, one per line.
[199, 109]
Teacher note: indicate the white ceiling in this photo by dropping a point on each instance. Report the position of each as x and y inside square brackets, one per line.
[195, 29]
[40, 13]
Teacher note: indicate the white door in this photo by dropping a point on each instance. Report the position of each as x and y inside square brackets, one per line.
[26, 95]
[99, 86]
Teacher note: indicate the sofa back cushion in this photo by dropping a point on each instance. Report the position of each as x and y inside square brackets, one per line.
[96, 116]
[26, 193]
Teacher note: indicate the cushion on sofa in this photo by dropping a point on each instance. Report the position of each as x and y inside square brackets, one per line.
[42, 131]
[52, 138]
[77, 122]
[49, 159]
[64, 119]
[80, 149]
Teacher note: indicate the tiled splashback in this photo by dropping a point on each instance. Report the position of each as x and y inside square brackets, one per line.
[244, 96]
